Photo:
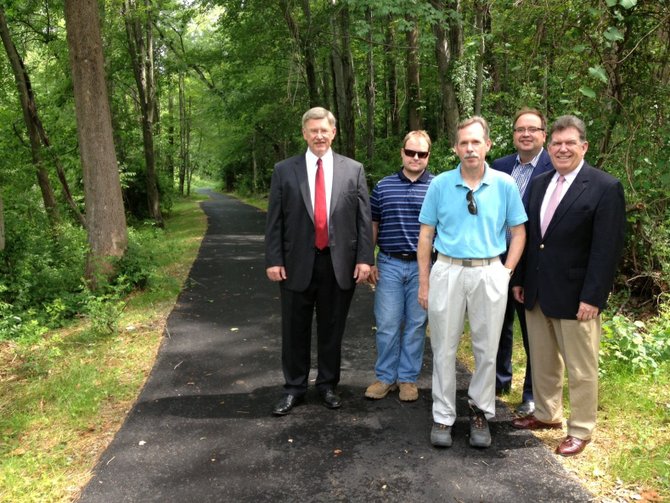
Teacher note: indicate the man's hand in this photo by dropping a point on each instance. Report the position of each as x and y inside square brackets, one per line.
[276, 273]
[587, 312]
[361, 273]
[374, 275]
[423, 296]
[517, 291]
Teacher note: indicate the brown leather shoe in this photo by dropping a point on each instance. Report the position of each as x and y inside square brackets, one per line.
[532, 423]
[571, 446]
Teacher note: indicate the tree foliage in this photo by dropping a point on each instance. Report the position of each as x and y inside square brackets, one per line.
[231, 79]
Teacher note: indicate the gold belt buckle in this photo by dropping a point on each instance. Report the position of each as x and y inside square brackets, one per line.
[467, 262]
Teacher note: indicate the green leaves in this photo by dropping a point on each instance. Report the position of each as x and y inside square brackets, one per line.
[613, 34]
[587, 91]
[626, 4]
[598, 72]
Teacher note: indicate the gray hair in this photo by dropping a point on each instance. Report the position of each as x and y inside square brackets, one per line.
[475, 119]
[568, 121]
[318, 113]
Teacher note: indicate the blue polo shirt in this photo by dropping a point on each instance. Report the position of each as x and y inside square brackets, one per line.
[462, 235]
[396, 203]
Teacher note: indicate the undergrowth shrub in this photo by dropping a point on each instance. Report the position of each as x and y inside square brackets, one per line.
[42, 284]
[639, 346]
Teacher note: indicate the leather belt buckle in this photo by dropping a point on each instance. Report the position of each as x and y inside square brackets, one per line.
[467, 262]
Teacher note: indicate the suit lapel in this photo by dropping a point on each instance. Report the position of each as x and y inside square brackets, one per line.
[338, 182]
[575, 190]
[300, 170]
[536, 203]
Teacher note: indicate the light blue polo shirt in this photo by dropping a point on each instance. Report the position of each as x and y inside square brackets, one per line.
[462, 235]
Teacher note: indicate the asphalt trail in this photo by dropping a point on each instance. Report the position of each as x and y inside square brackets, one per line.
[201, 429]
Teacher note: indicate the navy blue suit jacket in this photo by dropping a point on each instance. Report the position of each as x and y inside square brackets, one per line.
[506, 165]
[576, 260]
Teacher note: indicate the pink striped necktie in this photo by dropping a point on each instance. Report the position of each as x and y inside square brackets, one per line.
[553, 204]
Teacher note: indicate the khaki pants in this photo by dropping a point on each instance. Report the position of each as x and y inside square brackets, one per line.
[482, 292]
[557, 345]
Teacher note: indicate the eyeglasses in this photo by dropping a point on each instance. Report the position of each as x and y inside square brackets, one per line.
[472, 204]
[412, 153]
[530, 130]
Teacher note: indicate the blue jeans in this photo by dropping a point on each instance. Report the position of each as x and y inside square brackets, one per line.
[401, 321]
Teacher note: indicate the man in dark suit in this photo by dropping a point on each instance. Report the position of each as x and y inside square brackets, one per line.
[576, 219]
[318, 246]
[530, 160]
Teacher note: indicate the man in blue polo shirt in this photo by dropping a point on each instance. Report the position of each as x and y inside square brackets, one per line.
[467, 211]
[401, 321]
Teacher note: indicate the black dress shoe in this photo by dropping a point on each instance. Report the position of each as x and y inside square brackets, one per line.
[331, 399]
[285, 405]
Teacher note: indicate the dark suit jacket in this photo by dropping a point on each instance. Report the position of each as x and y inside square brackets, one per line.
[506, 165]
[289, 233]
[577, 258]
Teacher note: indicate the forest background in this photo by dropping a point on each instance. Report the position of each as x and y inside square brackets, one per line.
[108, 109]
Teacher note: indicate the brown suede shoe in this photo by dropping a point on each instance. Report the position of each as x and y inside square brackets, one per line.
[408, 392]
[378, 390]
[533, 423]
[571, 446]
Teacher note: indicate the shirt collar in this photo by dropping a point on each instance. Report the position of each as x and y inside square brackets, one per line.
[533, 161]
[423, 178]
[311, 159]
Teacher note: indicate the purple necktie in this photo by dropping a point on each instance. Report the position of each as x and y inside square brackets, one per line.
[553, 203]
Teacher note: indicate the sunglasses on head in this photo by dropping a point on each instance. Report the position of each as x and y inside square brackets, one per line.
[472, 204]
[412, 153]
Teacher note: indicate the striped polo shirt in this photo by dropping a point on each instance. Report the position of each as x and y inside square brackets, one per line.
[396, 203]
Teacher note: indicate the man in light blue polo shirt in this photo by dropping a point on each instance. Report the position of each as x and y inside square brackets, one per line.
[466, 212]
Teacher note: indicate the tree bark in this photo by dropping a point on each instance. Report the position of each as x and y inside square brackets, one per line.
[182, 134]
[2, 225]
[413, 77]
[106, 220]
[141, 48]
[370, 91]
[448, 49]
[393, 111]
[29, 116]
[303, 41]
[343, 72]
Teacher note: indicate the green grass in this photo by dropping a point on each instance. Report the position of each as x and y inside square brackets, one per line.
[63, 398]
[629, 458]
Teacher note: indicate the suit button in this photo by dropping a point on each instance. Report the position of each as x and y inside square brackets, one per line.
[541, 247]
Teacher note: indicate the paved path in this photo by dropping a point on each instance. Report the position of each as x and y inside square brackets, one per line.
[201, 429]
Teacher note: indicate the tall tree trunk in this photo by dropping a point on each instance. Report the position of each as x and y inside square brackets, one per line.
[141, 47]
[303, 40]
[370, 92]
[169, 161]
[182, 134]
[343, 70]
[392, 121]
[29, 116]
[2, 225]
[481, 10]
[413, 77]
[106, 220]
[448, 49]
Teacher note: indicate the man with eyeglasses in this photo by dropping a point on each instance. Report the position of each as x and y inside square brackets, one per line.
[467, 211]
[318, 247]
[529, 161]
[401, 322]
[576, 221]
